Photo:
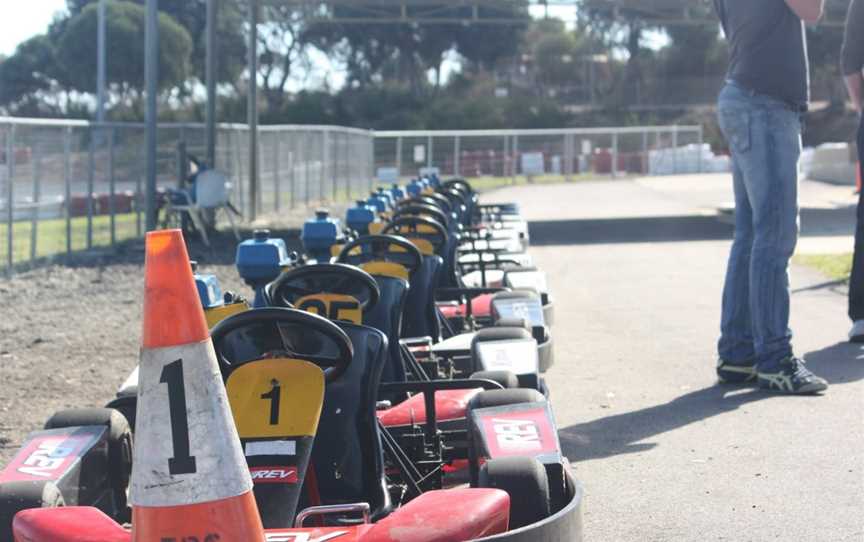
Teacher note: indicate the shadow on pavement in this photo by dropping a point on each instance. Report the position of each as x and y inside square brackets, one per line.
[815, 222]
[840, 363]
[658, 229]
[619, 434]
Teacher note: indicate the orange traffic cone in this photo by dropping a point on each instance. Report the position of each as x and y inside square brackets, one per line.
[189, 478]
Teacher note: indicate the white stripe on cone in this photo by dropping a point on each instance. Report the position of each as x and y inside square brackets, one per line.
[220, 467]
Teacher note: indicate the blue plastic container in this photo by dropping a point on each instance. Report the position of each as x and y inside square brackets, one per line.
[260, 261]
[209, 290]
[321, 233]
[360, 216]
[378, 202]
[398, 193]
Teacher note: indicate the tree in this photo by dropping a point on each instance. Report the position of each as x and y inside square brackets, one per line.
[192, 15]
[27, 72]
[125, 23]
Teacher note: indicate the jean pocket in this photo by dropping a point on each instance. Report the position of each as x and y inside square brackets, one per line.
[735, 125]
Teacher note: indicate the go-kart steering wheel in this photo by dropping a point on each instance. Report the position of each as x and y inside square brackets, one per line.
[422, 209]
[331, 278]
[434, 198]
[460, 185]
[409, 226]
[279, 332]
[372, 248]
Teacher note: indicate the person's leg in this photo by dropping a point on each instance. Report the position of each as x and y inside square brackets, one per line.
[856, 280]
[773, 191]
[735, 347]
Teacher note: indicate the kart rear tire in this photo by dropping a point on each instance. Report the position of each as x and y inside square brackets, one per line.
[119, 443]
[17, 496]
[507, 379]
[525, 480]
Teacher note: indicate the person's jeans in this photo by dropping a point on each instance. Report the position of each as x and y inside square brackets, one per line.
[764, 136]
[856, 281]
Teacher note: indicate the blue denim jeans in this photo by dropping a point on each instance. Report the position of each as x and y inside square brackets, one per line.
[764, 136]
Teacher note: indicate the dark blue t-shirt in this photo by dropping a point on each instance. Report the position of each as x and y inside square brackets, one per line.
[768, 48]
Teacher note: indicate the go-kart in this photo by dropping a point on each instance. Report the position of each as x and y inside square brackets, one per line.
[302, 391]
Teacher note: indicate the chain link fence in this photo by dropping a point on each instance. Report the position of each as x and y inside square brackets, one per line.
[77, 186]
[564, 153]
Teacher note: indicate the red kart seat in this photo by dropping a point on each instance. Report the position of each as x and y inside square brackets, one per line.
[449, 405]
[480, 306]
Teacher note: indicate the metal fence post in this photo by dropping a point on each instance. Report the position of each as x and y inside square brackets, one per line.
[615, 154]
[10, 198]
[67, 186]
[292, 169]
[701, 143]
[306, 175]
[430, 150]
[515, 161]
[646, 161]
[277, 189]
[112, 187]
[91, 172]
[399, 157]
[457, 143]
[34, 214]
[675, 148]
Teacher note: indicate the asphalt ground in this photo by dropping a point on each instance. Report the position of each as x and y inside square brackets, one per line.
[664, 452]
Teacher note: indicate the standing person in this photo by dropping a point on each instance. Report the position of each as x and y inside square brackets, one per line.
[760, 110]
[852, 60]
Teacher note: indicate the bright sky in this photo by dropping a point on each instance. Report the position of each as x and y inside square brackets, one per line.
[21, 20]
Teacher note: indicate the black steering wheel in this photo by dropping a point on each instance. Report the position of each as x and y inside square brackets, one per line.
[374, 248]
[331, 278]
[419, 209]
[434, 198]
[279, 332]
[409, 226]
[459, 184]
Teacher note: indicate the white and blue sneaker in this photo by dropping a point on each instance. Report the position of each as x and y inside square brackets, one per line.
[791, 376]
[856, 334]
[736, 373]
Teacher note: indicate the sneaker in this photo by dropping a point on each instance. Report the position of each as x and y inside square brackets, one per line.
[736, 373]
[856, 334]
[791, 376]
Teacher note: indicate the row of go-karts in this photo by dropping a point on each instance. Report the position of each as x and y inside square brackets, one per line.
[432, 327]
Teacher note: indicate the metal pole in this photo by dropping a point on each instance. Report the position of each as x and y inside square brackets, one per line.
[645, 162]
[305, 158]
[399, 157]
[10, 198]
[515, 157]
[456, 151]
[252, 108]
[701, 143]
[67, 185]
[210, 113]
[429, 153]
[292, 164]
[505, 157]
[91, 174]
[277, 189]
[615, 154]
[100, 62]
[34, 214]
[151, 74]
[675, 148]
[112, 210]
[325, 163]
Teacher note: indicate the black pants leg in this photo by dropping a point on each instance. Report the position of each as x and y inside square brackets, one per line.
[856, 282]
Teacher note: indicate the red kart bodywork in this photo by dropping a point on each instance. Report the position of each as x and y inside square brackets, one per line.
[481, 306]
[449, 405]
[436, 516]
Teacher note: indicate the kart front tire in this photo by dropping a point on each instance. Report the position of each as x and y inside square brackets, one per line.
[525, 480]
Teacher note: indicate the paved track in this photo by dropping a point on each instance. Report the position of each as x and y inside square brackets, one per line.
[636, 269]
